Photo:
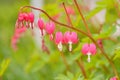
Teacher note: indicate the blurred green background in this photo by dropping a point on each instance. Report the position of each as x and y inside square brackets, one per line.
[30, 63]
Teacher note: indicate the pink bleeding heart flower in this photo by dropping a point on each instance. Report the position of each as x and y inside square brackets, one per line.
[50, 27]
[70, 10]
[59, 40]
[20, 17]
[41, 25]
[31, 17]
[70, 38]
[26, 16]
[89, 49]
[25, 19]
[113, 78]
[16, 36]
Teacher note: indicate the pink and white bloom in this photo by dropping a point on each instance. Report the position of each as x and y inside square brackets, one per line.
[50, 28]
[113, 78]
[41, 25]
[16, 36]
[70, 38]
[31, 19]
[59, 40]
[89, 49]
[25, 19]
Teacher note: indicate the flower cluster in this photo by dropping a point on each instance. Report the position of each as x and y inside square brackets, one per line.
[89, 49]
[25, 19]
[16, 36]
[68, 38]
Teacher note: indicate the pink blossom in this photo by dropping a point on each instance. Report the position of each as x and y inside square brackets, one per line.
[50, 27]
[70, 38]
[89, 49]
[59, 40]
[85, 49]
[16, 36]
[92, 49]
[40, 24]
[113, 78]
[31, 17]
[70, 10]
[25, 19]
[26, 16]
[21, 17]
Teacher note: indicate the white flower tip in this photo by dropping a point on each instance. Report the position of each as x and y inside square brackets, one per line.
[88, 59]
[60, 46]
[70, 46]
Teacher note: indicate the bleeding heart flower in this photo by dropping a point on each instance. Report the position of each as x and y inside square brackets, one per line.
[31, 17]
[50, 27]
[41, 25]
[25, 19]
[89, 49]
[70, 10]
[16, 36]
[59, 40]
[113, 78]
[20, 17]
[70, 38]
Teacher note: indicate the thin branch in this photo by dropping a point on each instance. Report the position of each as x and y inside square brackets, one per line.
[85, 23]
[82, 68]
[65, 61]
[68, 16]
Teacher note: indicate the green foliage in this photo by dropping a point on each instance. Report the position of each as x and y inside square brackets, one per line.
[31, 63]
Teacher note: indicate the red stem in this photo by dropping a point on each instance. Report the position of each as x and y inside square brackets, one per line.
[68, 16]
[85, 23]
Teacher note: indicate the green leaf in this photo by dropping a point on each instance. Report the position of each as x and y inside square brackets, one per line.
[107, 31]
[117, 53]
[93, 12]
[111, 15]
[4, 66]
[62, 77]
[70, 75]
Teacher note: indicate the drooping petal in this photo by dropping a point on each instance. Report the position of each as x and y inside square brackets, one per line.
[40, 24]
[85, 49]
[74, 37]
[31, 17]
[50, 27]
[58, 37]
[113, 78]
[93, 49]
[67, 37]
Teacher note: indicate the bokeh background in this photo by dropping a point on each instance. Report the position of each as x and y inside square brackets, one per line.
[29, 62]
